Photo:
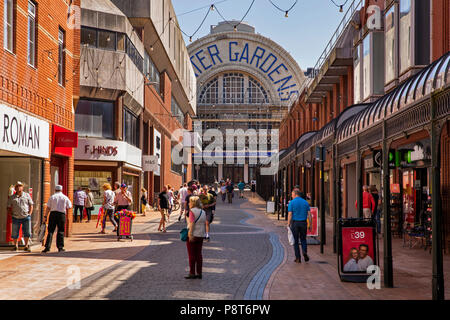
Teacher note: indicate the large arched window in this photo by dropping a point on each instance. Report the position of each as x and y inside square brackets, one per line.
[256, 93]
[210, 92]
[233, 88]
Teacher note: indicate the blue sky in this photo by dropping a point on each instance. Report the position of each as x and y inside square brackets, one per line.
[304, 34]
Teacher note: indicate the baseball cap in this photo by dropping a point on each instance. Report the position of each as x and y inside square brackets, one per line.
[123, 185]
[58, 187]
[18, 183]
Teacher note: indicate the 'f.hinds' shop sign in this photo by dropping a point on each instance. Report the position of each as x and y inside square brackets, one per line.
[101, 150]
[107, 150]
[22, 133]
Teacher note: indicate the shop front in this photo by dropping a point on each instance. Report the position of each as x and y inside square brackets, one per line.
[411, 205]
[100, 161]
[24, 144]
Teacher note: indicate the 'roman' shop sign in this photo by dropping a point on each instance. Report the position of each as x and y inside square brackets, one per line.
[23, 133]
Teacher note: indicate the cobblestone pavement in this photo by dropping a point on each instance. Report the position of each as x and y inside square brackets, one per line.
[236, 254]
[248, 257]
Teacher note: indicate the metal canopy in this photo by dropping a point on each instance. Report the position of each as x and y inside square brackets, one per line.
[300, 147]
[430, 79]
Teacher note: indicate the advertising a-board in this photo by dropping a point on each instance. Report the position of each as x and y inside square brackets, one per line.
[358, 249]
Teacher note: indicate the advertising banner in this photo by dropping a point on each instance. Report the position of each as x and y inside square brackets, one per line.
[313, 227]
[125, 226]
[358, 249]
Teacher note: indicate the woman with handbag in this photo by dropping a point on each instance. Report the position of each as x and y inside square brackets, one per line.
[89, 203]
[196, 234]
[144, 199]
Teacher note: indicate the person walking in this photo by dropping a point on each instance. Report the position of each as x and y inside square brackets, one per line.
[230, 190]
[123, 201]
[182, 194]
[163, 206]
[170, 194]
[196, 234]
[89, 203]
[20, 208]
[368, 203]
[57, 206]
[377, 200]
[108, 207]
[79, 198]
[223, 191]
[208, 203]
[298, 214]
[241, 186]
[212, 191]
[144, 200]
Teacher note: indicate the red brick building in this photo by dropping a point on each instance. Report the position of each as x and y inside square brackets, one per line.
[39, 57]
[378, 103]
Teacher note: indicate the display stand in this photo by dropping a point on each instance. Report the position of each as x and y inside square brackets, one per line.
[356, 236]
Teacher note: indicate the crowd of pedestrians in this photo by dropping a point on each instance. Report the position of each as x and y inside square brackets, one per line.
[196, 202]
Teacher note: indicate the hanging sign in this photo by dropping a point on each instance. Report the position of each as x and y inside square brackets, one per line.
[150, 163]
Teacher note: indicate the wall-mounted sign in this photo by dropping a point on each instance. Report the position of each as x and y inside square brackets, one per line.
[157, 149]
[66, 139]
[150, 163]
[417, 154]
[23, 133]
[108, 150]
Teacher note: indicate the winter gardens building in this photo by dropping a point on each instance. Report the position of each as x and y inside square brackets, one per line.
[245, 83]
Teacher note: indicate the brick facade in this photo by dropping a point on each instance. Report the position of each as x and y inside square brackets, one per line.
[35, 90]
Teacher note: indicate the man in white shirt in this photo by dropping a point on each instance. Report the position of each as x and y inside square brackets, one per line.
[57, 205]
[182, 194]
[364, 259]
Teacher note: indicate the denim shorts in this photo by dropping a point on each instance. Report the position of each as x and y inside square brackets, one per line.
[26, 227]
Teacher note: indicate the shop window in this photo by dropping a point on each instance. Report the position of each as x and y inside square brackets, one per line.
[95, 119]
[130, 128]
[405, 35]
[29, 171]
[390, 56]
[107, 40]
[8, 25]
[31, 33]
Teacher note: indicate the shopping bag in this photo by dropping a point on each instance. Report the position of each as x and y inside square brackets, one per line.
[42, 232]
[290, 236]
[184, 234]
[99, 216]
[148, 209]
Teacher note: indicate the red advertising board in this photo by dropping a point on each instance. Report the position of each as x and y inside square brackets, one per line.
[313, 228]
[63, 141]
[358, 247]
[125, 226]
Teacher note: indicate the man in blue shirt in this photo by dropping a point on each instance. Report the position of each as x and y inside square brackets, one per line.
[298, 214]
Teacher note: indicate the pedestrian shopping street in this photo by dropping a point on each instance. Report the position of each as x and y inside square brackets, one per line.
[248, 257]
